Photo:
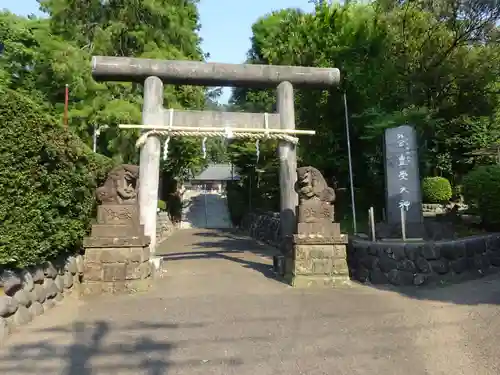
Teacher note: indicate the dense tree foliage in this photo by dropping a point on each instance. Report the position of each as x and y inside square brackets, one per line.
[481, 188]
[43, 55]
[434, 64]
[48, 173]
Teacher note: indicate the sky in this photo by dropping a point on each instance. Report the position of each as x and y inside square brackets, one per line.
[225, 24]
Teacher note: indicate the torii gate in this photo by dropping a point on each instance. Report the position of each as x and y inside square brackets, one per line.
[202, 123]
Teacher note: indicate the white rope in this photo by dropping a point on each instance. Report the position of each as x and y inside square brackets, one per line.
[228, 133]
[257, 149]
[167, 141]
[165, 148]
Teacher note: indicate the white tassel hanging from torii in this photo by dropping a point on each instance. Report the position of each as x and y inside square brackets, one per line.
[257, 142]
[167, 141]
[204, 147]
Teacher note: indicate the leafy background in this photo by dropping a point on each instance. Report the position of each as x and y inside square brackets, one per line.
[433, 63]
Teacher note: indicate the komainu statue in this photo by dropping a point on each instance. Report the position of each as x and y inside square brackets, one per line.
[311, 185]
[121, 185]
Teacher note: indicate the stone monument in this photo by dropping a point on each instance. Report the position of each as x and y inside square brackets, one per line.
[318, 256]
[117, 252]
[402, 184]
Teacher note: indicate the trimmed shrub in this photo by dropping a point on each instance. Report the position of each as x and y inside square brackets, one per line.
[481, 191]
[47, 181]
[162, 206]
[436, 190]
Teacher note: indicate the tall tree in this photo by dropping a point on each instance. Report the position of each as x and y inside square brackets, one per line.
[434, 64]
[166, 29]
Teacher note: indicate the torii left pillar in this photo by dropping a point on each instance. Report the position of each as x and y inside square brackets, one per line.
[152, 114]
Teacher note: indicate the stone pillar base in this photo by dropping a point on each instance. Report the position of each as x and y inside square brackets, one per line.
[317, 261]
[314, 281]
[117, 254]
[116, 269]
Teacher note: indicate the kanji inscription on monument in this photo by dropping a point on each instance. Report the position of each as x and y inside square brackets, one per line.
[402, 175]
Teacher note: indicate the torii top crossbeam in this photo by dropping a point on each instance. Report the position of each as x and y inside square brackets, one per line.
[106, 68]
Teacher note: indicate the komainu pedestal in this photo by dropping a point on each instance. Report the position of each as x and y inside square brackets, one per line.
[319, 249]
[117, 252]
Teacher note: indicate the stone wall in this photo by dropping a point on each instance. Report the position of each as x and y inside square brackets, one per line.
[263, 227]
[116, 252]
[164, 226]
[433, 209]
[25, 294]
[418, 262]
[429, 209]
[395, 262]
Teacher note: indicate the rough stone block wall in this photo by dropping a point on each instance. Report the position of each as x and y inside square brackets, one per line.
[418, 263]
[429, 209]
[27, 293]
[164, 226]
[320, 259]
[263, 227]
[432, 209]
[116, 270]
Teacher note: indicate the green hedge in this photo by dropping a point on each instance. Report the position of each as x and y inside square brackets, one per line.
[436, 190]
[481, 191]
[47, 181]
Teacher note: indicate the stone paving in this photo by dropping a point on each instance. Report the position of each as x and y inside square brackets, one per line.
[216, 310]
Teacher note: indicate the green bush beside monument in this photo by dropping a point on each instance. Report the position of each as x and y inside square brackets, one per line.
[436, 190]
[481, 190]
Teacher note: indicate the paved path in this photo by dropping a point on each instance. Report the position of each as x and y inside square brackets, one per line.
[205, 210]
[216, 312]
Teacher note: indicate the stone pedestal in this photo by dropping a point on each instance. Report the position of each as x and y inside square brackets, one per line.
[117, 252]
[319, 249]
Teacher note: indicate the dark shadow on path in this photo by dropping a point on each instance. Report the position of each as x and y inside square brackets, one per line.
[229, 245]
[92, 352]
[481, 291]
[219, 232]
[95, 350]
